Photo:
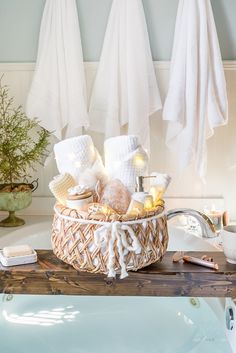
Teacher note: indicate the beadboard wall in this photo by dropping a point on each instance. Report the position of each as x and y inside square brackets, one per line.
[221, 176]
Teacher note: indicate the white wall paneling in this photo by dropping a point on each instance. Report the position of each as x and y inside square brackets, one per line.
[221, 175]
[42, 206]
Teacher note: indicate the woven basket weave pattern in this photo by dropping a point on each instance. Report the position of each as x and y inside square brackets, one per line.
[73, 242]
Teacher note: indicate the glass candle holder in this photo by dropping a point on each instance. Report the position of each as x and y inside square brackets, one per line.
[216, 217]
[157, 193]
[148, 204]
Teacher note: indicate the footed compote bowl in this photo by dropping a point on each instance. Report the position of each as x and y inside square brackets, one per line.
[12, 201]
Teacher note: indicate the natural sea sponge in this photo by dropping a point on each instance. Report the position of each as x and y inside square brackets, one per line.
[116, 195]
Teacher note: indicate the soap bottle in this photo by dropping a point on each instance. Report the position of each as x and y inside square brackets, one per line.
[139, 194]
[141, 201]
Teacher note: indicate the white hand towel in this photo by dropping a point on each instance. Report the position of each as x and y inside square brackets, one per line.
[196, 102]
[125, 88]
[160, 179]
[125, 159]
[78, 157]
[58, 92]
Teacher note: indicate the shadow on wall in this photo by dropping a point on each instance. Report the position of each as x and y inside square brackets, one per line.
[226, 32]
[226, 27]
[161, 25]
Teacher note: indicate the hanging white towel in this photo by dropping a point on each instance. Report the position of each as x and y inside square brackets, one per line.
[196, 102]
[58, 92]
[125, 88]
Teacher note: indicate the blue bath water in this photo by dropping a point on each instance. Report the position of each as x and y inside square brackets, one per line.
[67, 324]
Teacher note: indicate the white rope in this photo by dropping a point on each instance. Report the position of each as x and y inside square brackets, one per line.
[108, 233]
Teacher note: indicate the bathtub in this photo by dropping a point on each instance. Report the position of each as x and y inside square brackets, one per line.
[82, 324]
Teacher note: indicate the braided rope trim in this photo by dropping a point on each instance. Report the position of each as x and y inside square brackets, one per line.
[90, 221]
[63, 210]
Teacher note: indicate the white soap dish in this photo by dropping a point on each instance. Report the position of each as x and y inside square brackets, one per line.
[18, 260]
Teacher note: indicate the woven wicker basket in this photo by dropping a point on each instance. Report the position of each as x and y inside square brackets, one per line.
[111, 245]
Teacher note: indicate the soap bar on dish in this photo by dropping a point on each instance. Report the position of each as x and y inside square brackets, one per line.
[18, 250]
[18, 260]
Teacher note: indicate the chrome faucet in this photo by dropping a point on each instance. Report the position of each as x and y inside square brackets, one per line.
[206, 224]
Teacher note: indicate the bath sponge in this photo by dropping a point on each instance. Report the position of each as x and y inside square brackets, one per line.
[59, 187]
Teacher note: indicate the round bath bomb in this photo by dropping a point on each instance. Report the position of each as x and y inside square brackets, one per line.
[116, 195]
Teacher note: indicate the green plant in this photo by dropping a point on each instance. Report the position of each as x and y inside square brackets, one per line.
[23, 143]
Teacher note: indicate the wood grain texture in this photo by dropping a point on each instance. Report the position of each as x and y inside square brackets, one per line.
[52, 276]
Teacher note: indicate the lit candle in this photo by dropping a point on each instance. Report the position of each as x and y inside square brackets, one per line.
[159, 185]
[105, 210]
[216, 217]
[148, 203]
[139, 160]
[157, 193]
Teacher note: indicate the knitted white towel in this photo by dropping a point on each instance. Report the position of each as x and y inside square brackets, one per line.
[77, 156]
[125, 159]
[59, 187]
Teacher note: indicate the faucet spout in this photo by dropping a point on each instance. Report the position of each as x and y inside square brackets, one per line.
[206, 224]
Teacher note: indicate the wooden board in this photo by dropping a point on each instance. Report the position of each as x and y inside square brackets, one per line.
[52, 276]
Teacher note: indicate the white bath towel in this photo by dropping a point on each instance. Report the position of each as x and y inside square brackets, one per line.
[58, 93]
[78, 157]
[125, 159]
[196, 102]
[125, 88]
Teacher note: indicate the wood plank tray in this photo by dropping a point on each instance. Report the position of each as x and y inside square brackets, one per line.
[52, 276]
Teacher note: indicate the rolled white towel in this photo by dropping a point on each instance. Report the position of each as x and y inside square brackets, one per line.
[158, 185]
[160, 179]
[78, 157]
[59, 186]
[74, 155]
[125, 159]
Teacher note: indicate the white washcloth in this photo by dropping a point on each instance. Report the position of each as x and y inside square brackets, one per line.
[196, 102]
[78, 157]
[58, 92]
[125, 159]
[159, 179]
[60, 185]
[125, 88]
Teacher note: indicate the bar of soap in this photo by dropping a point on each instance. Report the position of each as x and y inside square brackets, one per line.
[18, 250]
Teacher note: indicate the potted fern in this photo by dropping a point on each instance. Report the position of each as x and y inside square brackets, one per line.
[23, 144]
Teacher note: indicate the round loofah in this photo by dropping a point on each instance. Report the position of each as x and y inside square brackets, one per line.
[116, 195]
